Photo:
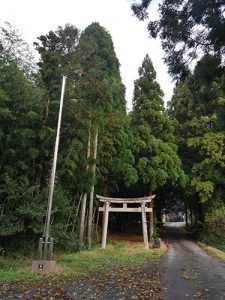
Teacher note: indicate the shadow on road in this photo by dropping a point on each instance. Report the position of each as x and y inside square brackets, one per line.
[174, 233]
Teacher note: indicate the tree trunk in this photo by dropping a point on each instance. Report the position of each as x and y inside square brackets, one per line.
[84, 195]
[201, 215]
[186, 212]
[39, 168]
[37, 184]
[90, 215]
[151, 220]
[82, 216]
[191, 216]
[196, 216]
[75, 219]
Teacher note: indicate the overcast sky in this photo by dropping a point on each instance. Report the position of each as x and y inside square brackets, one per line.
[130, 37]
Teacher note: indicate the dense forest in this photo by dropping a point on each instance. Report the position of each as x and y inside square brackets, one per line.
[176, 153]
[192, 35]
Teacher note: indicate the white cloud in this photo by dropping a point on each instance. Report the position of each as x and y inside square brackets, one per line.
[129, 35]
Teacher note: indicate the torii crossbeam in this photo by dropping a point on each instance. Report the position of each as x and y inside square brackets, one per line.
[106, 208]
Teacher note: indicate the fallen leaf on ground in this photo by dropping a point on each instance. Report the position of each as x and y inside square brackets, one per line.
[187, 277]
[199, 295]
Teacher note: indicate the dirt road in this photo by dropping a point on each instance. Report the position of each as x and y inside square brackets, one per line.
[188, 272]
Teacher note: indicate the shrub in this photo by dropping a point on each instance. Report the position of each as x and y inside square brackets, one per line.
[215, 224]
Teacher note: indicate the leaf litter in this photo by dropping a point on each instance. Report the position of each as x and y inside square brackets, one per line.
[118, 282]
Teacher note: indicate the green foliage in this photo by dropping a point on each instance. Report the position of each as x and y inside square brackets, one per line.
[65, 241]
[187, 30]
[100, 97]
[208, 171]
[204, 189]
[14, 49]
[29, 111]
[20, 124]
[26, 143]
[99, 82]
[116, 160]
[18, 214]
[197, 109]
[137, 153]
[215, 225]
[57, 57]
[154, 148]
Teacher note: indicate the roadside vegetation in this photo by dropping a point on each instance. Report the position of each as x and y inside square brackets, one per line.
[117, 255]
[214, 233]
[216, 249]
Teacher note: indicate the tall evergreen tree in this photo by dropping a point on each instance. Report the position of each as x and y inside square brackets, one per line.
[57, 49]
[101, 96]
[154, 148]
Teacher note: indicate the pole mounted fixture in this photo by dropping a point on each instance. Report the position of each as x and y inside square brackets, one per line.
[45, 249]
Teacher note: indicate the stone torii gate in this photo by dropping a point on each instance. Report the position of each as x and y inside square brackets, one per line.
[106, 208]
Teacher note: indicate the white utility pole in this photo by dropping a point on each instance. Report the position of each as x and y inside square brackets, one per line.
[45, 263]
[48, 244]
[52, 181]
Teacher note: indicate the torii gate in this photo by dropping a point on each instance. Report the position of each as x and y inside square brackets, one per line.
[125, 201]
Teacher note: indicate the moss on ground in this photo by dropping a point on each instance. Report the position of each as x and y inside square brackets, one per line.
[215, 248]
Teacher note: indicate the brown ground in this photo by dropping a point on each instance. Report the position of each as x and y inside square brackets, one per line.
[125, 237]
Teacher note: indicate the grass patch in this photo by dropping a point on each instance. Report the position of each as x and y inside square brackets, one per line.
[117, 255]
[16, 269]
[219, 245]
[216, 249]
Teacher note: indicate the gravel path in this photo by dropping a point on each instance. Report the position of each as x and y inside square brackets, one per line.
[188, 272]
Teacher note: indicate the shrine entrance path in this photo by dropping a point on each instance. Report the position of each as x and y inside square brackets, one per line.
[188, 272]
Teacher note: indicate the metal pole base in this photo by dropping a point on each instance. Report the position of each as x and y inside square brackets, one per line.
[45, 248]
[44, 266]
